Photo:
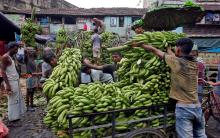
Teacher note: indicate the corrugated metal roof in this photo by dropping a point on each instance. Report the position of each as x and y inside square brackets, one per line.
[7, 28]
[86, 12]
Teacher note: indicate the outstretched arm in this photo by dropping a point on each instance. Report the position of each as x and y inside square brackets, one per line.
[90, 65]
[154, 50]
[214, 83]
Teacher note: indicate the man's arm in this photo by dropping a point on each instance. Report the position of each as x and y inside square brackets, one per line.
[88, 63]
[95, 66]
[154, 50]
[5, 63]
[213, 83]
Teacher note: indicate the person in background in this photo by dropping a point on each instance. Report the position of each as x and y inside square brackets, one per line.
[92, 75]
[201, 71]
[20, 54]
[98, 75]
[49, 63]
[108, 68]
[16, 106]
[128, 32]
[31, 78]
[138, 26]
[216, 85]
[48, 51]
[96, 46]
[85, 77]
[99, 25]
[190, 120]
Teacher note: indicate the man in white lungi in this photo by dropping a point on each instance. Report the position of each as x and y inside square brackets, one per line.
[16, 106]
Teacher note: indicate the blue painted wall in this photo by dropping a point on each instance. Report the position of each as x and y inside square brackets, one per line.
[120, 30]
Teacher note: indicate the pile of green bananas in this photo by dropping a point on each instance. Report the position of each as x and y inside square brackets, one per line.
[28, 30]
[144, 81]
[82, 40]
[3, 106]
[97, 97]
[138, 64]
[65, 74]
[61, 38]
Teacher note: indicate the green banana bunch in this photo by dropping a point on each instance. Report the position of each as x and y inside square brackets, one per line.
[65, 74]
[28, 30]
[61, 37]
[82, 40]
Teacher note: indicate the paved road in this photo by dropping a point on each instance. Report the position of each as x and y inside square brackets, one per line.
[213, 129]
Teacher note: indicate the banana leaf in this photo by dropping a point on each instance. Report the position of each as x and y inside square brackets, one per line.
[169, 18]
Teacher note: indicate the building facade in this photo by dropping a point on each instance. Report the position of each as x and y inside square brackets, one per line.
[117, 20]
[39, 4]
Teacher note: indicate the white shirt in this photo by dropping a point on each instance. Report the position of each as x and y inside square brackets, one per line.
[20, 51]
[85, 78]
[98, 75]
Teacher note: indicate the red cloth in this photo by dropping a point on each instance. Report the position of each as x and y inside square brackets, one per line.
[85, 27]
[2, 48]
[3, 130]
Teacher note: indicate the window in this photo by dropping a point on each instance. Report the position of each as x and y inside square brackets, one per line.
[70, 20]
[113, 21]
[56, 20]
[121, 21]
[212, 18]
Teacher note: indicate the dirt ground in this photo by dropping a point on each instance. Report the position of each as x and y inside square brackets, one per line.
[31, 125]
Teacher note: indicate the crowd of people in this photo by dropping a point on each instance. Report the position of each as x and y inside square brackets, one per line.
[184, 63]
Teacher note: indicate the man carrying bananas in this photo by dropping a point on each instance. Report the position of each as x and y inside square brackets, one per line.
[96, 46]
[190, 121]
[99, 25]
[138, 26]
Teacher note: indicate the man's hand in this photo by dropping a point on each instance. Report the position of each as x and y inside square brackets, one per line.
[137, 44]
[202, 80]
[169, 51]
[86, 61]
[211, 83]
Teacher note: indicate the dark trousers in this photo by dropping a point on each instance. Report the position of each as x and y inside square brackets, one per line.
[30, 97]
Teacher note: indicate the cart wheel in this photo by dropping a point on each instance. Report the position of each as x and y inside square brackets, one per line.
[145, 133]
[215, 106]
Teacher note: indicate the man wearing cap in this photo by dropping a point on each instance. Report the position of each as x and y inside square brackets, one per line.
[138, 26]
[16, 106]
